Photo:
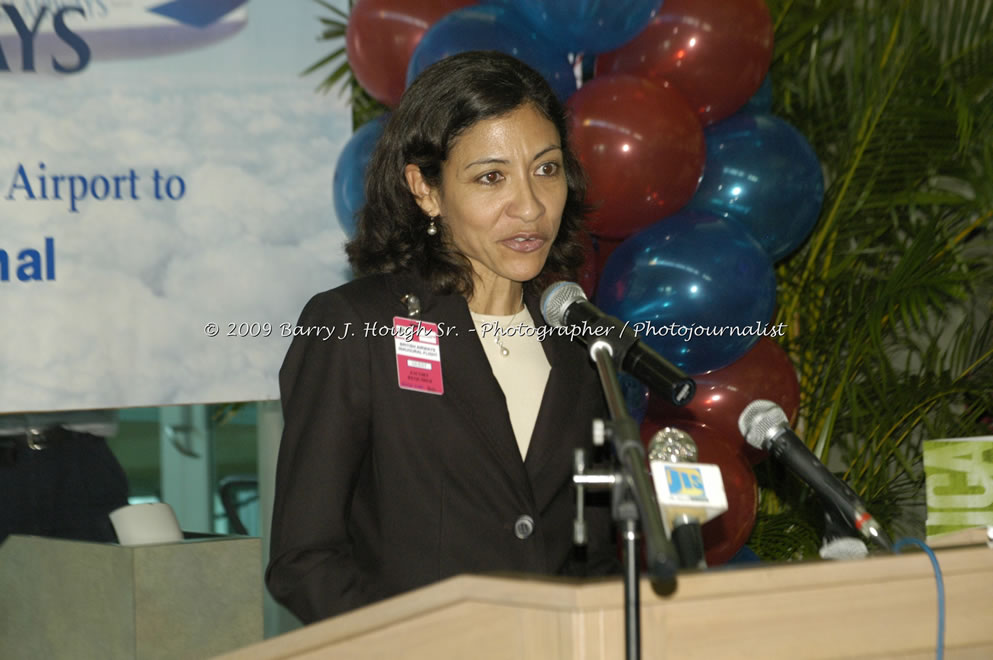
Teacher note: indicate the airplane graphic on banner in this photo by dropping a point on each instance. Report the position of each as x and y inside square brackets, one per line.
[61, 37]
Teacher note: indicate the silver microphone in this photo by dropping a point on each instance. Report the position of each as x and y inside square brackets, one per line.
[564, 304]
[672, 445]
[765, 426]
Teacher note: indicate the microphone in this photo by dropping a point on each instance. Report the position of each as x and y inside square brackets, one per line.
[764, 426]
[565, 304]
[682, 494]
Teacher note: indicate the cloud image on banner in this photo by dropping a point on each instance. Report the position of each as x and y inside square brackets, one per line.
[158, 189]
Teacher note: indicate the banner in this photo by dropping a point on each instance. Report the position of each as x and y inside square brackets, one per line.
[165, 198]
[959, 480]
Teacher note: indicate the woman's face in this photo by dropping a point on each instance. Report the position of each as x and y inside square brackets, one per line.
[503, 189]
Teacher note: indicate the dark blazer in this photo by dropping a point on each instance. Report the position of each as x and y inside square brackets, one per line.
[380, 490]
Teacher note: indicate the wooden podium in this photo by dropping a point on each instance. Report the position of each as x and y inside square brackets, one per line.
[882, 607]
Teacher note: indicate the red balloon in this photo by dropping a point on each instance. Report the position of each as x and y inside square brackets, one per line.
[642, 147]
[716, 52]
[382, 35]
[725, 535]
[764, 372]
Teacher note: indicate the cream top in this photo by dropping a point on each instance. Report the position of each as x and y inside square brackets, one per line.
[522, 373]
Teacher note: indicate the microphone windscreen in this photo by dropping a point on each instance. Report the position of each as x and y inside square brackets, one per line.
[672, 445]
[758, 418]
[556, 300]
[844, 547]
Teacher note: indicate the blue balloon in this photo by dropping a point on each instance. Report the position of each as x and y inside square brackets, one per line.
[588, 26]
[635, 396]
[349, 172]
[492, 27]
[763, 173]
[697, 288]
[761, 100]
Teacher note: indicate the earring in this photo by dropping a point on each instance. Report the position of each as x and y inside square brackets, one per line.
[432, 228]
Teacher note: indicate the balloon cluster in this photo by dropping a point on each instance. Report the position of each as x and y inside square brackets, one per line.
[697, 189]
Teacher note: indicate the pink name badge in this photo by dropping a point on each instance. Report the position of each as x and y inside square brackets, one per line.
[418, 355]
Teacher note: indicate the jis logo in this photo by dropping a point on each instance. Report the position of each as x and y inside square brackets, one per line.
[686, 483]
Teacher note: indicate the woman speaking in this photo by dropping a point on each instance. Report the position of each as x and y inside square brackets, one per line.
[443, 445]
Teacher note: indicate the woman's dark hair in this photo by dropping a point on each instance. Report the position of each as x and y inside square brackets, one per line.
[447, 99]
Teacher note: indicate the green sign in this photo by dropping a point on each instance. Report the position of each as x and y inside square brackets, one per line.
[959, 476]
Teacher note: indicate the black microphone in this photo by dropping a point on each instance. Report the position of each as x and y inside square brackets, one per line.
[565, 304]
[765, 426]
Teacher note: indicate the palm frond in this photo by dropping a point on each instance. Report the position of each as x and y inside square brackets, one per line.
[334, 28]
[888, 301]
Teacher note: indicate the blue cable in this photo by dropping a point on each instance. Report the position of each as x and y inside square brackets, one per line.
[940, 653]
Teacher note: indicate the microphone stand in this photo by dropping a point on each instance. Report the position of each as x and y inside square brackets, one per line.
[632, 497]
